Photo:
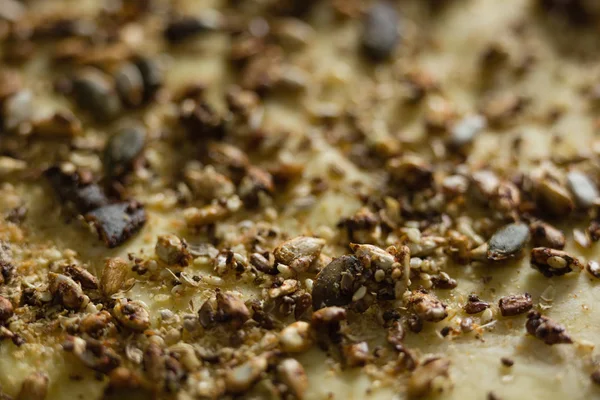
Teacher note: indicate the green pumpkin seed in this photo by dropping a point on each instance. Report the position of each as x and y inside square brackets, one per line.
[508, 241]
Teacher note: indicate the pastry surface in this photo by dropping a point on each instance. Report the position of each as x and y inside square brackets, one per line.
[190, 188]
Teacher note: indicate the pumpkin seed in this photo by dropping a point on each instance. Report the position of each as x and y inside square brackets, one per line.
[584, 190]
[130, 85]
[187, 27]
[380, 32]
[152, 76]
[327, 287]
[123, 149]
[94, 92]
[508, 242]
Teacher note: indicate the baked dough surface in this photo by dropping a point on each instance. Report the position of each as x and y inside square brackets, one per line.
[343, 119]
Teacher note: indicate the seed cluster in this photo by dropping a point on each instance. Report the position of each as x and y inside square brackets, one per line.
[198, 200]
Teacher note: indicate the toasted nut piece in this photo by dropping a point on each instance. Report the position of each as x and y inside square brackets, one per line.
[172, 250]
[34, 387]
[94, 324]
[515, 304]
[592, 267]
[83, 276]
[154, 363]
[93, 354]
[114, 275]
[6, 309]
[412, 171]
[288, 286]
[67, 292]
[475, 305]
[61, 123]
[255, 181]
[545, 235]
[327, 315]
[230, 308]
[296, 337]
[551, 262]
[356, 354]
[122, 378]
[132, 314]
[464, 131]
[293, 376]
[206, 215]
[508, 242]
[428, 377]
[241, 378]
[209, 184]
[546, 329]
[299, 253]
[425, 305]
[373, 256]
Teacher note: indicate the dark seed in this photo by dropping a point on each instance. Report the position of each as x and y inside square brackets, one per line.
[122, 150]
[152, 76]
[515, 304]
[116, 223]
[326, 288]
[186, 27]
[94, 91]
[507, 362]
[585, 192]
[130, 85]
[508, 241]
[70, 188]
[380, 33]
